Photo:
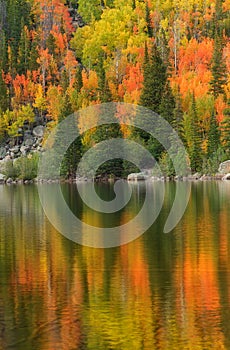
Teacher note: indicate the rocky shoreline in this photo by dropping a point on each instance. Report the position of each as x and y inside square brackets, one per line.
[194, 178]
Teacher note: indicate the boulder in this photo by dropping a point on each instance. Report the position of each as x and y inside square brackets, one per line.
[9, 180]
[226, 177]
[224, 167]
[29, 142]
[15, 149]
[38, 131]
[24, 150]
[137, 177]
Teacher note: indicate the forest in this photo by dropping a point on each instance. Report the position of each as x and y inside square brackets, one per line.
[173, 57]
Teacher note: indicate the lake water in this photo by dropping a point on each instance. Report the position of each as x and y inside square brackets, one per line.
[161, 291]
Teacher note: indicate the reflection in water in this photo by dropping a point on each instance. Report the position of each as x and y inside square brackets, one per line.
[162, 291]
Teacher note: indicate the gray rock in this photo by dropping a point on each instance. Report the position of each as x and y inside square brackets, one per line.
[2, 152]
[29, 142]
[9, 181]
[224, 167]
[15, 149]
[136, 177]
[38, 131]
[27, 135]
[205, 178]
[24, 150]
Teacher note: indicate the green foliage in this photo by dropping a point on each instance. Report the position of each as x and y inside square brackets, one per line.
[210, 165]
[9, 170]
[167, 106]
[3, 93]
[154, 80]
[195, 149]
[218, 68]
[213, 136]
[225, 130]
[26, 167]
[148, 21]
[166, 165]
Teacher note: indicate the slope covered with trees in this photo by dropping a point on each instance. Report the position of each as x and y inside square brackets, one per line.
[57, 56]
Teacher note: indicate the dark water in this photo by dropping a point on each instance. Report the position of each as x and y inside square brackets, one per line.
[162, 291]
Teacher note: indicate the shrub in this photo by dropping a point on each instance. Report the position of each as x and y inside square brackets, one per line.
[26, 167]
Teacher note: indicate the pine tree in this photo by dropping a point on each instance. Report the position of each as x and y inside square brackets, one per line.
[3, 93]
[213, 136]
[195, 150]
[225, 130]
[78, 79]
[154, 80]
[3, 51]
[218, 68]
[103, 86]
[178, 118]
[23, 51]
[148, 21]
[167, 105]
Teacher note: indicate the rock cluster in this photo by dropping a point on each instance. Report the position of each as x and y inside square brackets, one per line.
[31, 142]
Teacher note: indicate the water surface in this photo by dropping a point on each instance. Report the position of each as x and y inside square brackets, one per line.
[162, 291]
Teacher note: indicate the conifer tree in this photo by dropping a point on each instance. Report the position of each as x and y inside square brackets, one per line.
[148, 21]
[3, 93]
[178, 118]
[154, 80]
[195, 150]
[218, 68]
[3, 51]
[103, 86]
[225, 130]
[213, 136]
[23, 51]
[167, 105]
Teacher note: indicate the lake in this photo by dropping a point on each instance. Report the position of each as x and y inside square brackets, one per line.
[161, 291]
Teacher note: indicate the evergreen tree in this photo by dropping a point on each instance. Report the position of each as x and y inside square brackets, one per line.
[113, 167]
[3, 93]
[178, 118]
[218, 68]
[213, 136]
[148, 21]
[103, 86]
[195, 150]
[225, 130]
[154, 80]
[3, 51]
[33, 56]
[167, 105]
[23, 51]
[78, 79]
